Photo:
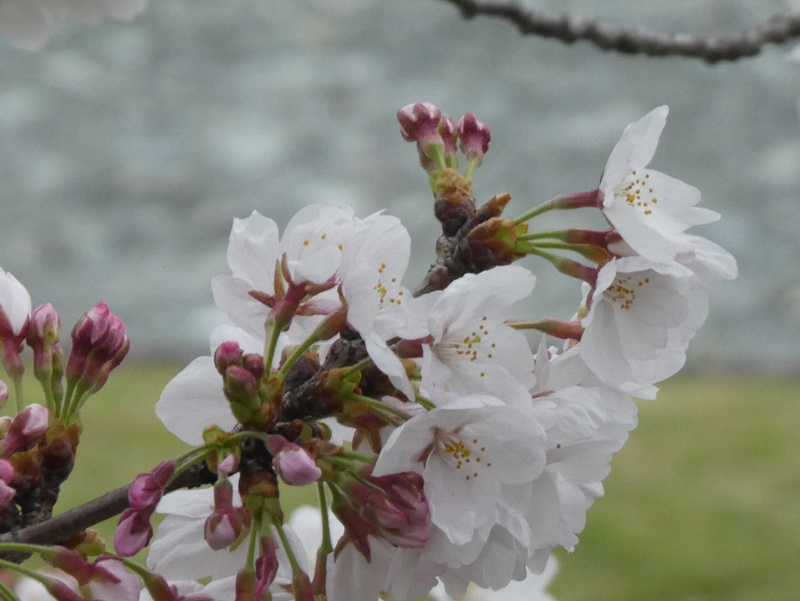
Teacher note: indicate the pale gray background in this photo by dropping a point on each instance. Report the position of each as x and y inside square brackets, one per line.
[127, 149]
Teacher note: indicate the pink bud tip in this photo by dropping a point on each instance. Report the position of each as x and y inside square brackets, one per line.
[292, 462]
[419, 123]
[133, 532]
[475, 136]
[146, 489]
[25, 430]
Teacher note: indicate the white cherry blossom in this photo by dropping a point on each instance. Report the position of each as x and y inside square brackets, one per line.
[466, 451]
[472, 348]
[646, 207]
[641, 318]
[378, 305]
[312, 242]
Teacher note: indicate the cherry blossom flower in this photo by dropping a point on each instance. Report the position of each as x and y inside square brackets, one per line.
[312, 243]
[378, 305]
[466, 451]
[472, 349]
[646, 207]
[641, 318]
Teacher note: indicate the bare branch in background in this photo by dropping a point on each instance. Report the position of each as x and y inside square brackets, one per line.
[567, 28]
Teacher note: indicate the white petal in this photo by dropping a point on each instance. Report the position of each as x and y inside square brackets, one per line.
[193, 400]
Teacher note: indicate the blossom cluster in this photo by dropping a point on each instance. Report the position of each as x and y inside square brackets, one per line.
[453, 452]
[451, 449]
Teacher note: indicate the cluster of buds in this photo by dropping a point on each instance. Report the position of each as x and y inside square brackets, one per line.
[39, 443]
[438, 136]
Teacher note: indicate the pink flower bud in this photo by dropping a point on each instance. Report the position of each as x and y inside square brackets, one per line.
[449, 132]
[43, 333]
[133, 532]
[400, 511]
[227, 523]
[254, 363]
[26, 430]
[99, 344]
[3, 393]
[146, 489]
[6, 471]
[292, 462]
[475, 136]
[242, 391]
[266, 566]
[7, 493]
[227, 354]
[420, 123]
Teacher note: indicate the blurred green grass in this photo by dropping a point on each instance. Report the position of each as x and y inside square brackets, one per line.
[702, 504]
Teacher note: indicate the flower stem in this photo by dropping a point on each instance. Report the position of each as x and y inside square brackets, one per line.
[578, 200]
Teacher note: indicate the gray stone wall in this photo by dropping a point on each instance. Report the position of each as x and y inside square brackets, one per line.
[127, 149]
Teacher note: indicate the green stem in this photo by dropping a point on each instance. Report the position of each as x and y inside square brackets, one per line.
[19, 397]
[347, 372]
[568, 266]
[566, 330]
[272, 344]
[579, 200]
[46, 384]
[382, 410]
[296, 354]
[6, 594]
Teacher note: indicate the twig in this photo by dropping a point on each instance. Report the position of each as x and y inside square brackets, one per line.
[58, 529]
[567, 28]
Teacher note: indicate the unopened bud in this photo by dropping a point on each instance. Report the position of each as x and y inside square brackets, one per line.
[449, 132]
[43, 333]
[133, 532]
[227, 524]
[475, 136]
[266, 566]
[227, 354]
[146, 489]
[26, 430]
[241, 389]
[400, 511]
[292, 462]
[99, 344]
[7, 493]
[419, 122]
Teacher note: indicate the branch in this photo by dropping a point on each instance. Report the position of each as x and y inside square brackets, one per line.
[748, 42]
[58, 529]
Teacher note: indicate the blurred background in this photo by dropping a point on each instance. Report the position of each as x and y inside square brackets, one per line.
[127, 149]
